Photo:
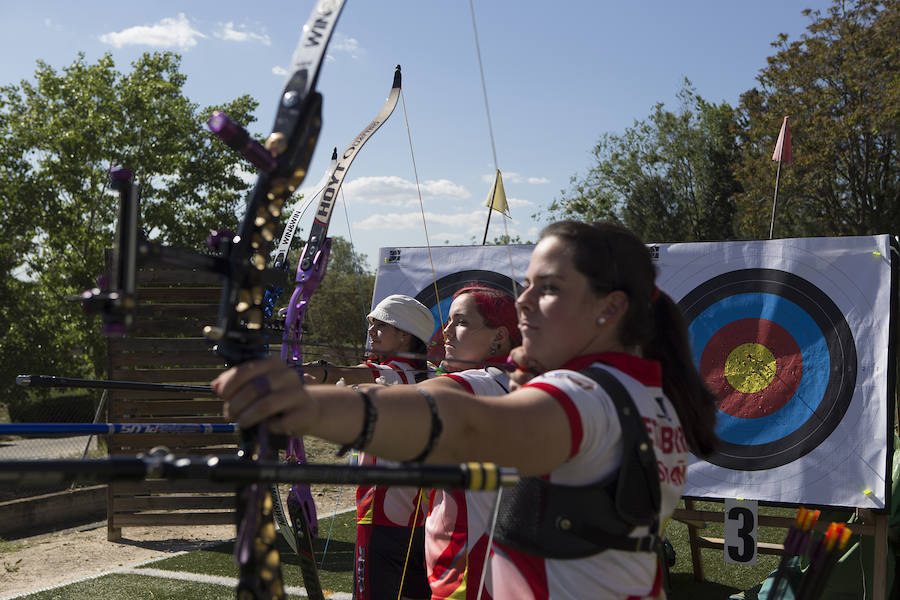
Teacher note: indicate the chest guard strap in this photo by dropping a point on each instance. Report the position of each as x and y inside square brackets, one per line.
[561, 521]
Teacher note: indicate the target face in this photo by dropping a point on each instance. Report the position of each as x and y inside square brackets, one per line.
[779, 356]
[445, 287]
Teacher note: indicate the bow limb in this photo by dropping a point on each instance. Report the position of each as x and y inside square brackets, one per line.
[314, 260]
[310, 273]
[239, 332]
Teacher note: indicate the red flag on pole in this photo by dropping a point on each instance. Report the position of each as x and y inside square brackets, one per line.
[783, 145]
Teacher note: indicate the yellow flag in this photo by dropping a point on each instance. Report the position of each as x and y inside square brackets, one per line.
[497, 197]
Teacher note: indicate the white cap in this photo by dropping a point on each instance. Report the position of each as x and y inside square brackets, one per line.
[407, 314]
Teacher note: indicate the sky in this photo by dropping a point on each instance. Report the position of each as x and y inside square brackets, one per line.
[558, 74]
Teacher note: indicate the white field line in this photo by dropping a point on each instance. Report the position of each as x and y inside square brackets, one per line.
[218, 580]
[135, 570]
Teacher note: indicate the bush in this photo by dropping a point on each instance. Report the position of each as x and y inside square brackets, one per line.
[68, 408]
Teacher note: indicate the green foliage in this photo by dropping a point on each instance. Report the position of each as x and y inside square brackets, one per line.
[336, 318]
[58, 408]
[59, 136]
[840, 86]
[668, 178]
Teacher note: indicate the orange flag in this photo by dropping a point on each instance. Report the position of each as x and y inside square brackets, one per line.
[783, 146]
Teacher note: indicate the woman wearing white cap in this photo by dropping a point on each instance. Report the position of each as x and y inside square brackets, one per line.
[389, 520]
[400, 328]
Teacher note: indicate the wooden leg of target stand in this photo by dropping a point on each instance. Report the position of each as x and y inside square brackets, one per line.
[879, 560]
[694, 538]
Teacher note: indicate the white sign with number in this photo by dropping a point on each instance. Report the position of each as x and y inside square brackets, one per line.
[741, 528]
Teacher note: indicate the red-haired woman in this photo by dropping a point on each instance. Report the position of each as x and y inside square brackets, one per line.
[482, 328]
[608, 422]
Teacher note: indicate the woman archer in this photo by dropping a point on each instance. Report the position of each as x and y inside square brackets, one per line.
[481, 330]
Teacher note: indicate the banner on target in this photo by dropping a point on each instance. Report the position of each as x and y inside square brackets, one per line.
[791, 335]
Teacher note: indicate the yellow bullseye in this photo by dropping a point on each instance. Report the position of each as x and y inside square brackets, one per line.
[750, 368]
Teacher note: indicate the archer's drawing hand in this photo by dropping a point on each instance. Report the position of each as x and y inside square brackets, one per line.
[265, 390]
[527, 368]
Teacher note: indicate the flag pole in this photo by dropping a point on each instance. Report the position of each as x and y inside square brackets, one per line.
[782, 154]
[775, 200]
[490, 210]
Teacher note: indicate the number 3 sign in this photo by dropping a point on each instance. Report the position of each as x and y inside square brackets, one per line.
[740, 531]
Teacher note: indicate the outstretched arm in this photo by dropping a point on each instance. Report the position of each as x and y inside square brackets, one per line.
[526, 429]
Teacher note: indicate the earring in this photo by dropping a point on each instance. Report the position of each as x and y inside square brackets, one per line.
[601, 320]
[493, 349]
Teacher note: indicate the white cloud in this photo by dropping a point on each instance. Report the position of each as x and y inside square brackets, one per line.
[50, 24]
[344, 44]
[168, 33]
[515, 178]
[456, 229]
[518, 202]
[395, 191]
[279, 70]
[230, 33]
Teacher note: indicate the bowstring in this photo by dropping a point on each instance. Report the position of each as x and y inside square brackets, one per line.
[424, 223]
[512, 278]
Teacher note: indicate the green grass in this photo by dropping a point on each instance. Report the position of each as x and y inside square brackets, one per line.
[721, 579]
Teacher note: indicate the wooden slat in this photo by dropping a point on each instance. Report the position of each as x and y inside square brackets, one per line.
[153, 396]
[178, 444]
[174, 311]
[166, 519]
[195, 376]
[167, 411]
[177, 277]
[761, 547]
[164, 486]
[174, 503]
[204, 358]
[173, 327]
[205, 295]
[158, 344]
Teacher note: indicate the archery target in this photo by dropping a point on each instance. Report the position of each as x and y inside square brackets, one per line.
[439, 296]
[780, 357]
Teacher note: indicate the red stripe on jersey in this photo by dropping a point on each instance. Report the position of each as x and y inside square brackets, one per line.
[532, 568]
[465, 384]
[567, 405]
[648, 372]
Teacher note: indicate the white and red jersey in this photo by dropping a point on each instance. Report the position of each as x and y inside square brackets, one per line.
[399, 370]
[456, 530]
[596, 452]
[391, 506]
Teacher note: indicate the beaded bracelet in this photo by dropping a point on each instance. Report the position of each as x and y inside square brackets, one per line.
[437, 426]
[370, 415]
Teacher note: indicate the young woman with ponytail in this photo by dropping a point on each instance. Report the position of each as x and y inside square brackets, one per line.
[608, 406]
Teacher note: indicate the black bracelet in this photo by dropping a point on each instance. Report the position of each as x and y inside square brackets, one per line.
[436, 427]
[370, 415]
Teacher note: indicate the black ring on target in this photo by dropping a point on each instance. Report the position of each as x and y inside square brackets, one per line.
[450, 284]
[770, 286]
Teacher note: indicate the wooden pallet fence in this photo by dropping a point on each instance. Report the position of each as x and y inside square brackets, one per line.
[165, 345]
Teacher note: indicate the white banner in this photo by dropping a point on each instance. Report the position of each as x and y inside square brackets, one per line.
[791, 335]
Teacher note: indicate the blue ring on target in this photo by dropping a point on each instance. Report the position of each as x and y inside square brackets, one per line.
[813, 350]
[829, 362]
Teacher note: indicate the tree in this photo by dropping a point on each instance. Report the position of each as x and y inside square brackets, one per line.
[336, 320]
[59, 137]
[840, 85]
[668, 178]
